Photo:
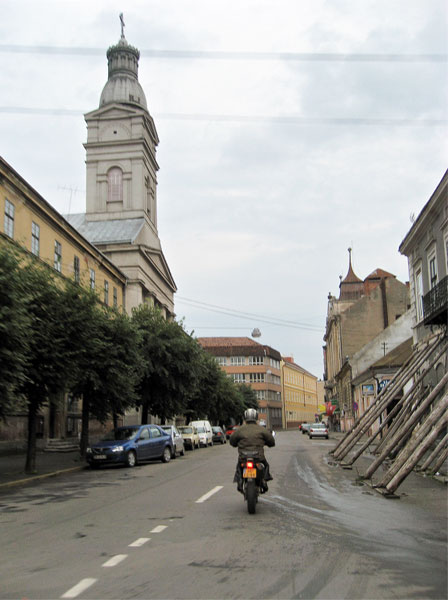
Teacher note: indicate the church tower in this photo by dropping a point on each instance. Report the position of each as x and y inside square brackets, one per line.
[121, 186]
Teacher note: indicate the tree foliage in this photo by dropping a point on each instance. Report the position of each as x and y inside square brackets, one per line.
[169, 364]
[55, 337]
[14, 331]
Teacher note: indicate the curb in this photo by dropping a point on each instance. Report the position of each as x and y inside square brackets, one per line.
[43, 476]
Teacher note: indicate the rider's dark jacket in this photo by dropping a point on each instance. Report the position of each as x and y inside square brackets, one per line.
[250, 437]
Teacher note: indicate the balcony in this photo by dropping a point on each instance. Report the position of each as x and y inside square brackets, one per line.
[435, 304]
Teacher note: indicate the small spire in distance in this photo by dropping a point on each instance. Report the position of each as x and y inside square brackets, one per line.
[122, 25]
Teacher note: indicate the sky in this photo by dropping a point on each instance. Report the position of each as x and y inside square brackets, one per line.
[290, 130]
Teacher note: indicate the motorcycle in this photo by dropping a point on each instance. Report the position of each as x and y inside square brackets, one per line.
[252, 470]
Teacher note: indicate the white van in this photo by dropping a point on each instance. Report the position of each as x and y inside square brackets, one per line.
[205, 432]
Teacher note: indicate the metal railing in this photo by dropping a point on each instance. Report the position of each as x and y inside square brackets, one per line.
[435, 304]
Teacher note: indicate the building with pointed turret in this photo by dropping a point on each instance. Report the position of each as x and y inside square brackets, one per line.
[363, 310]
[121, 188]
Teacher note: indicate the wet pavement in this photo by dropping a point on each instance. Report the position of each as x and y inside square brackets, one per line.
[48, 464]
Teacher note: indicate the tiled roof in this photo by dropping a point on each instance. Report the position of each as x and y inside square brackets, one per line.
[351, 277]
[236, 346]
[226, 341]
[117, 231]
[379, 274]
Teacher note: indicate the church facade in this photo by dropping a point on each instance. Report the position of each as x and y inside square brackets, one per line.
[121, 184]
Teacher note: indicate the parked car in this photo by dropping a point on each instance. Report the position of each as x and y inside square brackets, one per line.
[230, 430]
[190, 436]
[219, 437]
[130, 445]
[304, 427]
[318, 430]
[176, 436]
[205, 432]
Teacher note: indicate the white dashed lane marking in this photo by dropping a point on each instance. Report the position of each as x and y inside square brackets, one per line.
[79, 588]
[139, 542]
[115, 560]
[208, 494]
[159, 528]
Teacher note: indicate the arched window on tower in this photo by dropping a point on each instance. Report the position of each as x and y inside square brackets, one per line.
[115, 185]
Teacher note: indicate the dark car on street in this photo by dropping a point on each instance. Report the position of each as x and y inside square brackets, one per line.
[219, 437]
[130, 445]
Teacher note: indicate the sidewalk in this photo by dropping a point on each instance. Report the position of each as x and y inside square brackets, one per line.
[48, 464]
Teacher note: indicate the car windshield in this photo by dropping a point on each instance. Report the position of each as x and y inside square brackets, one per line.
[186, 429]
[318, 426]
[200, 429]
[216, 429]
[165, 428]
[126, 433]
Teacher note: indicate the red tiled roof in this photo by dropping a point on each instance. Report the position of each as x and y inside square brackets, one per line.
[351, 277]
[207, 342]
[379, 274]
[235, 346]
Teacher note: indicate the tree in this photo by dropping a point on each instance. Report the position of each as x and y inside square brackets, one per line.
[169, 364]
[14, 330]
[107, 366]
[49, 353]
[215, 396]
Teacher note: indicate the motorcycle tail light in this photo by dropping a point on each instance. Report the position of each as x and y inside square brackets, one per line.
[249, 464]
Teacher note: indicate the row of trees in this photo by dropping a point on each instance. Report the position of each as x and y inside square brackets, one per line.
[56, 337]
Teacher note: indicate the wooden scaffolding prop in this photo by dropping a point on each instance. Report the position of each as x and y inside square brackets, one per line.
[412, 431]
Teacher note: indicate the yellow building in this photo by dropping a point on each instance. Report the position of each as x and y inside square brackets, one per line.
[299, 392]
[30, 221]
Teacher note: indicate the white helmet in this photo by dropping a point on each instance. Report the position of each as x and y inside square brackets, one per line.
[251, 415]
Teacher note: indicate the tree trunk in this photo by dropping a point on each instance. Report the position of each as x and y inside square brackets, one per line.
[84, 441]
[30, 465]
[115, 420]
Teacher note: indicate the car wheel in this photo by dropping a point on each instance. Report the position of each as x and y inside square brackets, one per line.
[131, 459]
[166, 456]
[182, 452]
[311, 437]
[173, 452]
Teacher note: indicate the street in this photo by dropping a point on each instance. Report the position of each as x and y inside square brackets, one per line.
[181, 530]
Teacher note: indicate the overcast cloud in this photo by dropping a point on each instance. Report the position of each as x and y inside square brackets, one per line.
[289, 130]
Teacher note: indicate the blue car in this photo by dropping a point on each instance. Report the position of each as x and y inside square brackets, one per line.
[130, 445]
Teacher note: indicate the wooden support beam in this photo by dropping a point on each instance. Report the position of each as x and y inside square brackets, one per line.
[406, 428]
[416, 455]
[408, 406]
[442, 458]
[434, 454]
[369, 417]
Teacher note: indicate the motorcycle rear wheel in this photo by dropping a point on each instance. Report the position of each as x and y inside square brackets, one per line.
[251, 496]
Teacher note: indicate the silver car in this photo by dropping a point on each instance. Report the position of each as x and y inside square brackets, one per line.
[178, 440]
[318, 430]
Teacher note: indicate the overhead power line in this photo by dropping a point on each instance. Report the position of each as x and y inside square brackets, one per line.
[279, 120]
[247, 315]
[238, 55]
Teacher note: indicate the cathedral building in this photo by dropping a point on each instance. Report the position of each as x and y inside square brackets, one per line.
[121, 184]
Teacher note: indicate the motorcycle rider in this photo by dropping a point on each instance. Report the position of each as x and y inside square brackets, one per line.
[251, 436]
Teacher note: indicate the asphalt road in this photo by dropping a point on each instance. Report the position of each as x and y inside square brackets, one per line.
[181, 530]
